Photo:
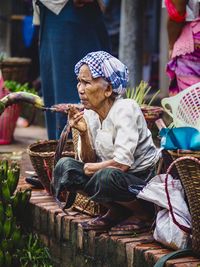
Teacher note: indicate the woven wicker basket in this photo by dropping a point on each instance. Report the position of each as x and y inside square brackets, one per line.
[42, 158]
[89, 207]
[151, 114]
[15, 69]
[188, 167]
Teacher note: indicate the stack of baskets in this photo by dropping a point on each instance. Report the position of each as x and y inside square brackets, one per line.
[188, 166]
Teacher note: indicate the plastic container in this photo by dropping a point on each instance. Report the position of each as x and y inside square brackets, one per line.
[8, 120]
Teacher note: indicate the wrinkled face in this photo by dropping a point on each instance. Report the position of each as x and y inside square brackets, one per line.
[92, 92]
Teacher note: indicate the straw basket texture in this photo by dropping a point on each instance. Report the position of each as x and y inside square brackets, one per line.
[89, 207]
[151, 114]
[188, 167]
[15, 69]
[42, 158]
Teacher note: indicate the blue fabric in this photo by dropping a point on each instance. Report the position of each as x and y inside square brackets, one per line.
[180, 138]
[102, 64]
[64, 40]
[28, 30]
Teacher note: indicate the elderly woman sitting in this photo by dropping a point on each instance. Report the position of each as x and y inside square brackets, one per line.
[116, 151]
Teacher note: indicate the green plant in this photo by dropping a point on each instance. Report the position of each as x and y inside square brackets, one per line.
[17, 246]
[35, 254]
[11, 204]
[139, 94]
[14, 86]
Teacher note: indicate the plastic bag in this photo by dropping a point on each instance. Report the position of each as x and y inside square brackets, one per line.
[180, 138]
[167, 231]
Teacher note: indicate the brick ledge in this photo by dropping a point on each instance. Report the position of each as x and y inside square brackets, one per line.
[70, 246]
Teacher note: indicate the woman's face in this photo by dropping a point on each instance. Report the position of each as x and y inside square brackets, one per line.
[92, 92]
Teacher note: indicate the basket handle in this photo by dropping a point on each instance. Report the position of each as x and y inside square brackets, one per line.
[182, 227]
[61, 142]
[166, 102]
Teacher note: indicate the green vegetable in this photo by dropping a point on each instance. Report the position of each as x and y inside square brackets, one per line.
[14, 86]
[139, 94]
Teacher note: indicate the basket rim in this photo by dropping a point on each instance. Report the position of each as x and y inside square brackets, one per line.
[10, 61]
[179, 152]
[151, 108]
[45, 154]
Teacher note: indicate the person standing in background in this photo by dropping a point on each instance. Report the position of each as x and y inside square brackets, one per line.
[69, 29]
[112, 20]
[183, 28]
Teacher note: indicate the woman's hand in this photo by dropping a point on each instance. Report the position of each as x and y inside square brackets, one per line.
[76, 119]
[82, 3]
[90, 168]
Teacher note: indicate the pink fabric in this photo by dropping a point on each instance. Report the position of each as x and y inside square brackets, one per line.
[185, 43]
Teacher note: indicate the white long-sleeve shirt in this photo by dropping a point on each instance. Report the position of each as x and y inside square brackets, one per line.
[123, 136]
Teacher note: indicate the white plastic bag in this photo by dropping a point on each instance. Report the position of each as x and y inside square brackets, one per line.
[167, 231]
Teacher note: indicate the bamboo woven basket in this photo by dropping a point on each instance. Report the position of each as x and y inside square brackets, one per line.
[15, 68]
[151, 114]
[87, 206]
[188, 167]
[42, 158]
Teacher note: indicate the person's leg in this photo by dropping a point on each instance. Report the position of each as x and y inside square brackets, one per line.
[140, 209]
[106, 186]
[110, 188]
[68, 176]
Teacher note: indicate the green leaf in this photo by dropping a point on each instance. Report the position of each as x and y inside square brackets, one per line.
[140, 93]
[14, 86]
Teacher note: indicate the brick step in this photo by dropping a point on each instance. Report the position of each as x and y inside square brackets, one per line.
[70, 245]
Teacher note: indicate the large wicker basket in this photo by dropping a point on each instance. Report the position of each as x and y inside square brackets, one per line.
[15, 68]
[188, 167]
[42, 158]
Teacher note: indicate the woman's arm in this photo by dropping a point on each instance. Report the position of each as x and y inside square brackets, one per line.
[91, 168]
[77, 121]
[87, 152]
[174, 28]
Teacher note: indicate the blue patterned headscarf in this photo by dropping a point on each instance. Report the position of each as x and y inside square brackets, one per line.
[102, 64]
